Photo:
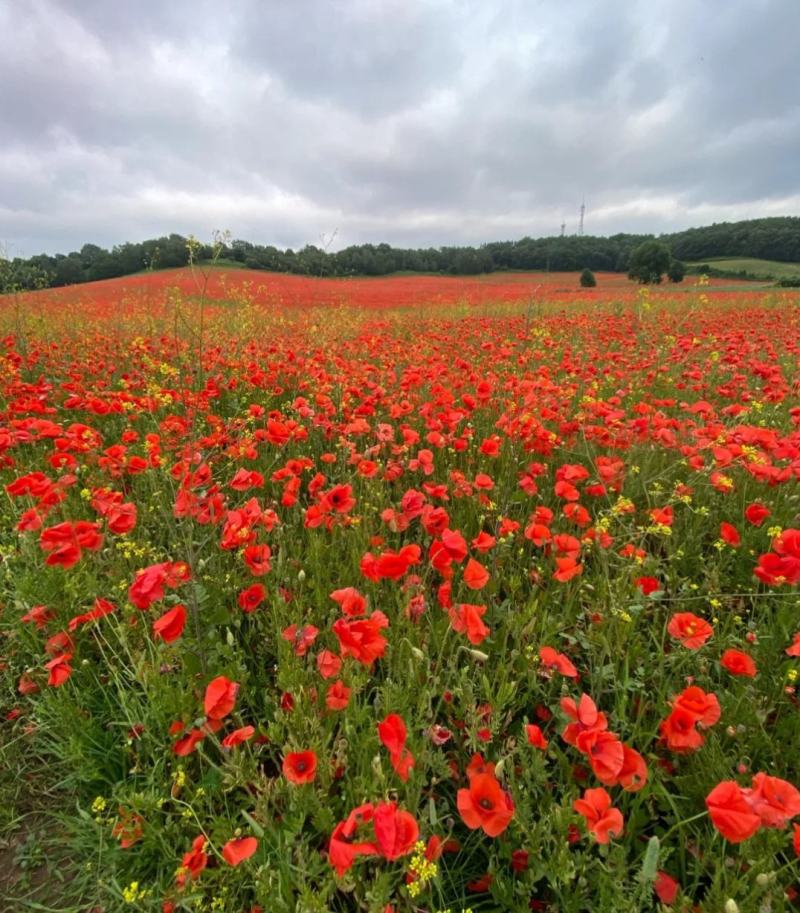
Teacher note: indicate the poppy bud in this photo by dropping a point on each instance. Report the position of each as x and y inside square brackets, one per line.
[417, 654]
[477, 654]
[301, 575]
[731, 906]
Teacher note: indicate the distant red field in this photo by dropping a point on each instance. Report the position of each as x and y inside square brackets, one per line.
[283, 290]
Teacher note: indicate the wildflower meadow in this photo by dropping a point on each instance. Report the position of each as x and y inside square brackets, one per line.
[411, 594]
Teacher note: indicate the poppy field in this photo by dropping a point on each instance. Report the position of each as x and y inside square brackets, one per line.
[418, 594]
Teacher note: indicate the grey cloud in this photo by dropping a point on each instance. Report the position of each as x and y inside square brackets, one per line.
[364, 56]
[419, 122]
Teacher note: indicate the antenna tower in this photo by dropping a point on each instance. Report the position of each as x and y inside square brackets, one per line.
[583, 213]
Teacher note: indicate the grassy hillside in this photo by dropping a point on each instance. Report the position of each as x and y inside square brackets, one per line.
[757, 269]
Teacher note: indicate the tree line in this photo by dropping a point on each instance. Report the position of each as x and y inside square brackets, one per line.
[771, 239]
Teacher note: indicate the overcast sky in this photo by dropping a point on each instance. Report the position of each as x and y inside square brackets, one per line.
[409, 121]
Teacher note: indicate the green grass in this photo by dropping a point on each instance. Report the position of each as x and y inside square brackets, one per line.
[757, 269]
[222, 263]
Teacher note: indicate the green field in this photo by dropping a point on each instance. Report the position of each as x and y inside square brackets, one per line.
[758, 269]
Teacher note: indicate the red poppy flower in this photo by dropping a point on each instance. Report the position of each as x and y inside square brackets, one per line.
[475, 575]
[26, 684]
[338, 696]
[361, 638]
[703, 707]
[738, 663]
[396, 831]
[601, 819]
[756, 513]
[390, 565]
[647, 585]
[196, 859]
[238, 736]
[606, 755]
[774, 800]
[60, 670]
[301, 639]
[666, 888]
[662, 516]
[550, 659]
[101, 608]
[392, 733]
[467, 618]
[128, 829]
[730, 812]
[251, 598]
[781, 565]
[536, 737]
[342, 848]
[633, 774]
[794, 648]
[220, 697]
[60, 642]
[439, 735]
[239, 849]
[728, 533]
[150, 583]
[586, 719]
[40, 615]
[328, 664]
[485, 805]
[566, 490]
[678, 731]
[350, 601]
[691, 630]
[300, 767]
[245, 479]
[257, 559]
[538, 533]
[170, 625]
[483, 542]
[65, 542]
[567, 568]
[188, 743]
[121, 518]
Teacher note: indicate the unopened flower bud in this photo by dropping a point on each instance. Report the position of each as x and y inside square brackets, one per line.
[477, 654]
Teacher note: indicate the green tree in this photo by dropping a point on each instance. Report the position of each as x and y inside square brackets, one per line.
[676, 271]
[587, 279]
[649, 262]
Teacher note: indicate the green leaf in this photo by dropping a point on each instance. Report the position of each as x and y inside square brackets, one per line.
[256, 827]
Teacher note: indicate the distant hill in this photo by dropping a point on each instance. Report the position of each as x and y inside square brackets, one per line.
[775, 239]
[748, 268]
